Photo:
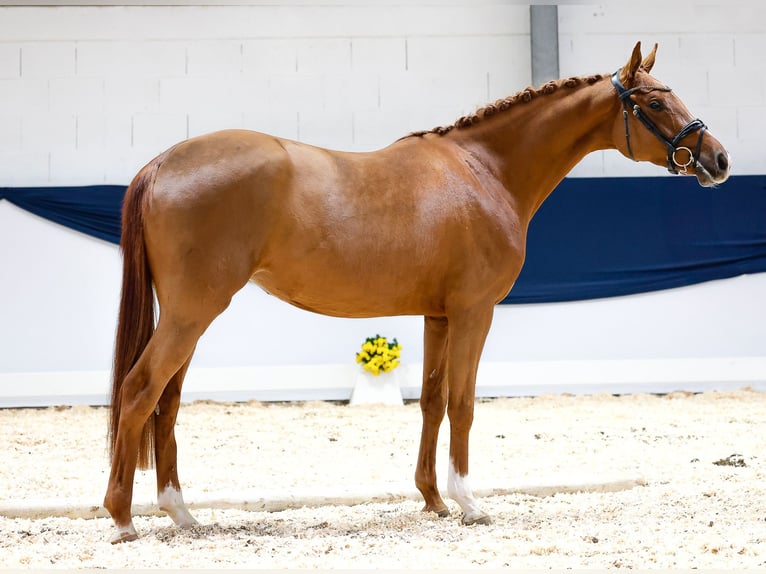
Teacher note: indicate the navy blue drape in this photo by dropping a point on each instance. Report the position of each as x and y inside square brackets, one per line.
[94, 209]
[594, 237]
[604, 237]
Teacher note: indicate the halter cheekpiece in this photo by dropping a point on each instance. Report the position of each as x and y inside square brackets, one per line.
[629, 105]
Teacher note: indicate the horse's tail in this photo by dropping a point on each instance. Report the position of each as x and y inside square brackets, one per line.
[135, 323]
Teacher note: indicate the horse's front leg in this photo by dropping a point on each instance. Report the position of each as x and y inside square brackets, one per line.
[169, 495]
[467, 333]
[433, 402]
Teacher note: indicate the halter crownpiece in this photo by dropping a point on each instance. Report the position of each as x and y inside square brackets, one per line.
[630, 105]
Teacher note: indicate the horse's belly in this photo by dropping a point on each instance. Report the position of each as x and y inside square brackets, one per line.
[348, 294]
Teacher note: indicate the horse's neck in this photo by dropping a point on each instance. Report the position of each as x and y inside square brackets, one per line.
[532, 146]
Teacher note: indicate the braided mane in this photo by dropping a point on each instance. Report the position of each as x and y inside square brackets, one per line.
[504, 104]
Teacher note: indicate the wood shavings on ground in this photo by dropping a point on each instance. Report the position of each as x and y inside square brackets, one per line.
[680, 506]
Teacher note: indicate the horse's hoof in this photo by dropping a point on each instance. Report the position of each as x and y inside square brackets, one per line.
[441, 512]
[189, 524]
[181, 517]
[483, 519]
[127, 534]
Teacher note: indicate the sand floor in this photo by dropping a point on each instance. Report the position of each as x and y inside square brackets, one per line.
[325, 485]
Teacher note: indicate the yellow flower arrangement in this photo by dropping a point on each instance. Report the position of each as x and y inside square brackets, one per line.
[378, 355]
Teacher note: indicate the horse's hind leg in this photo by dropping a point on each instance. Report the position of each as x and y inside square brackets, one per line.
[168, 351]
[169, 495]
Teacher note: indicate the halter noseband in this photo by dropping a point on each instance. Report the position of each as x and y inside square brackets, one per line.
[672, 144]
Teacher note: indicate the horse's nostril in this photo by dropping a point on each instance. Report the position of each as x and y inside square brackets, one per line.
[722, 161]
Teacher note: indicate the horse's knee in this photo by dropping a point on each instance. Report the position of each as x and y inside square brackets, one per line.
[460, 413]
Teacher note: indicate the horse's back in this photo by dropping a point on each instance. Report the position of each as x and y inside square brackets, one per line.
[213, 161]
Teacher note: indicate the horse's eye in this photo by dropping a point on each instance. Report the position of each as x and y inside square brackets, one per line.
[655, 105]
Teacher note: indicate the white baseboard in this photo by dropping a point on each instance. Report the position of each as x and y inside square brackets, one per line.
[335, 382]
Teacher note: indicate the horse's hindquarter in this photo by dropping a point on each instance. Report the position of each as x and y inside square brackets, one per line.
[211, 208]
[397, 231]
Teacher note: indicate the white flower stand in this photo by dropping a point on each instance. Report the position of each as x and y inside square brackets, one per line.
[381, 389]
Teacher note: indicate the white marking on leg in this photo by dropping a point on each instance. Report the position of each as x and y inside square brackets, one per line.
[171, 501]
[124, 534]
[459, 489]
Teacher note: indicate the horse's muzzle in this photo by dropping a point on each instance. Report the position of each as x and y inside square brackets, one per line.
[713, 168]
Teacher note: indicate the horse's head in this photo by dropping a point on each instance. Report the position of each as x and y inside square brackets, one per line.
[656, 126]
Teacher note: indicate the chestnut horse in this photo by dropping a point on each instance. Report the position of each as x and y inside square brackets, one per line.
[434, 224]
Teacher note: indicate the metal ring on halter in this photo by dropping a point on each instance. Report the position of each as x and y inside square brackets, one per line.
[683, 166]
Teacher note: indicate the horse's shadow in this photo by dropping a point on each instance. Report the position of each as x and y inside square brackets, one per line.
[378, 523]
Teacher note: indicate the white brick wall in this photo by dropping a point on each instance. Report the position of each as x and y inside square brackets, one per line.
[89, 94]
[10, 61]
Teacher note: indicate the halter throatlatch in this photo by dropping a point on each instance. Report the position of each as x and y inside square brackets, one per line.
[675, 165]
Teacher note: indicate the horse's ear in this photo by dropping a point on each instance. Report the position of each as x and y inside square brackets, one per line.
[648, 62]
[629, 70]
